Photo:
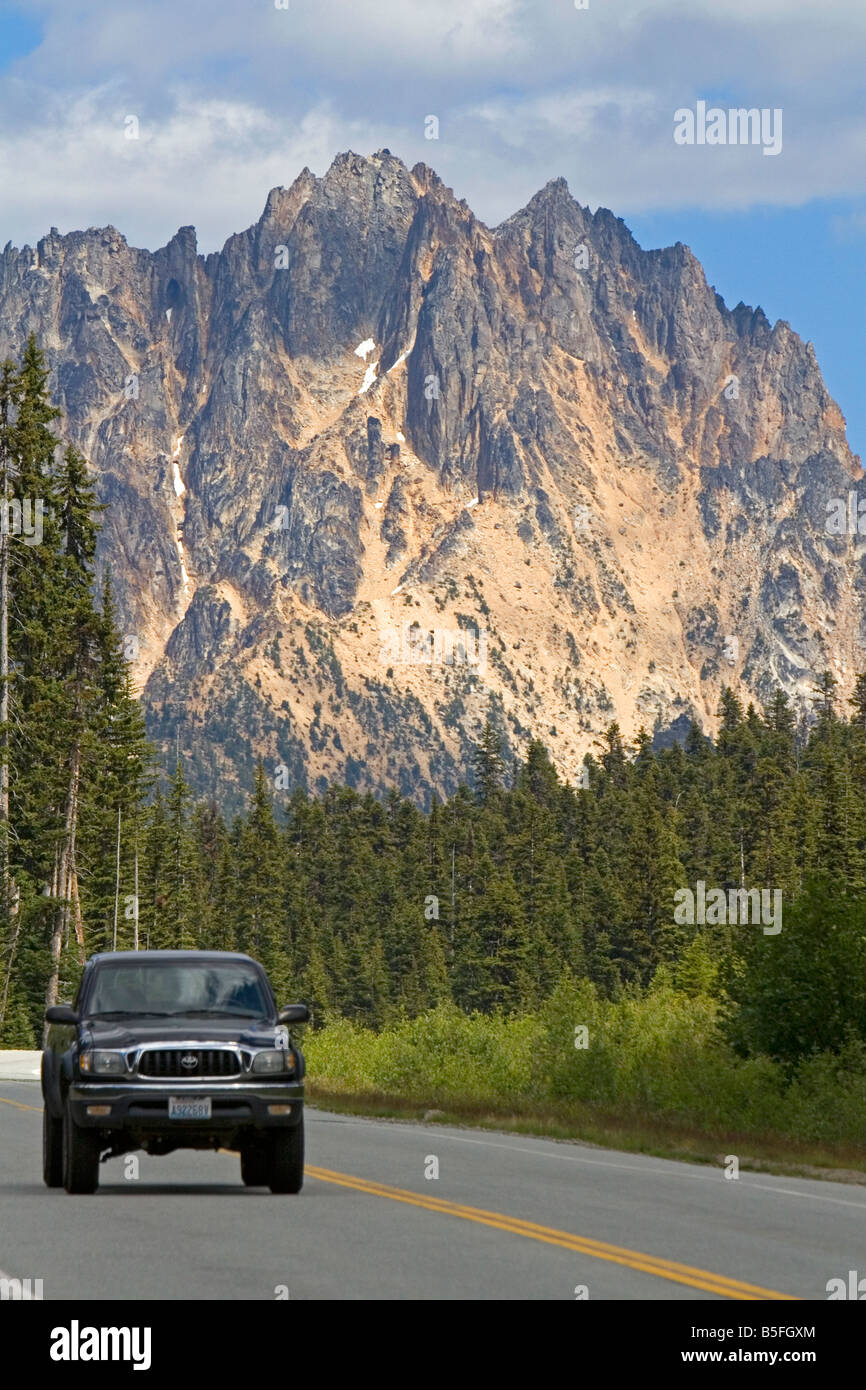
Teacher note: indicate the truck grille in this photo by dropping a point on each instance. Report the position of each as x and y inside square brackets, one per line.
[169, 1061]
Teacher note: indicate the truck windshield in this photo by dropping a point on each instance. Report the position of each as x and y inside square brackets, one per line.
[232, 988]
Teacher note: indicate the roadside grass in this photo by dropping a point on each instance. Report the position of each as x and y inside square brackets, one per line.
[645, 1134]
[655, 1076]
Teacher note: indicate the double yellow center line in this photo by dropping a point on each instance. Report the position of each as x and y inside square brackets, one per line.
[678, 1273]
[582, 1245]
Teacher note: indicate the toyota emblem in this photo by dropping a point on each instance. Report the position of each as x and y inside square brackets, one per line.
[189, 1061]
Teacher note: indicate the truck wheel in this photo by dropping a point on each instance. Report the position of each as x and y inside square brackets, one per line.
[52, 1149]
[255, 1168]
[81, 1148]
[287, 1159]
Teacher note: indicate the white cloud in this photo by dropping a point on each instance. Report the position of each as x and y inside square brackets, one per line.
[234, 97]
[209, 162]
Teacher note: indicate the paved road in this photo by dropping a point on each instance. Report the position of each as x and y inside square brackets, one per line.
[507, 1218]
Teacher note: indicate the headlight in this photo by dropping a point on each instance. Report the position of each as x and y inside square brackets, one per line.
[103, 1063]
[274, 1060]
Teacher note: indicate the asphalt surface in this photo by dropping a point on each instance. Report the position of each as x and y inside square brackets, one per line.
[507, 1218]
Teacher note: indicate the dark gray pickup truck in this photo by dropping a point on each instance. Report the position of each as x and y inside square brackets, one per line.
[167, 1050]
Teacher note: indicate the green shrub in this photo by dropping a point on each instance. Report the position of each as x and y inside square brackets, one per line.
[660, 1054]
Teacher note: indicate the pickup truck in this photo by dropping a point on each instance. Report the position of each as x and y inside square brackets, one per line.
[166, 1050]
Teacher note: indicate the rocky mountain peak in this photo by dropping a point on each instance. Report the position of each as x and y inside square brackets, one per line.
[375, 471]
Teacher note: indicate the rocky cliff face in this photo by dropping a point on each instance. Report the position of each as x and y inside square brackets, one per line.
[374, 471]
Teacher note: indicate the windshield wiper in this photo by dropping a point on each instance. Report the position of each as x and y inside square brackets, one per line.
[219, 1013]
[131, 1013]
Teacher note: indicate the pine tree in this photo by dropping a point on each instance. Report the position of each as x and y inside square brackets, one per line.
[260, 910]
[489, 766]
[119, 774]
[153, 931]
[10, 916]
[654, 872]
[180, 920]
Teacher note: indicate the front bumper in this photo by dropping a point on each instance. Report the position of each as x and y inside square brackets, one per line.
[143, 1107]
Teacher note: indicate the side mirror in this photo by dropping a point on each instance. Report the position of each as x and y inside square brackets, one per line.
[61, 1013]
[294, 1013]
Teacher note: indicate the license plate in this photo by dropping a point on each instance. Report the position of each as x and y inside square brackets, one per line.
[185, 1108]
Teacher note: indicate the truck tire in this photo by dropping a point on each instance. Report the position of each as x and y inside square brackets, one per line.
[81, 1148]
[255, 1166]
[52, 1149]
[287, 1159]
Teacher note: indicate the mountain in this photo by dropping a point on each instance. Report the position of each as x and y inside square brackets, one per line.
[375, 471]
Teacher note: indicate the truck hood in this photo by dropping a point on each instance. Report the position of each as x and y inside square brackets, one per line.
[137, 1030]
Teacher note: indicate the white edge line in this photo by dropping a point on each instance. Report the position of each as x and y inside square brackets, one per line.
[681, 1168]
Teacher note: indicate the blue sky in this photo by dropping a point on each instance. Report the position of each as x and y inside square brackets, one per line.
[236, 96]
[19, 34]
